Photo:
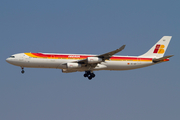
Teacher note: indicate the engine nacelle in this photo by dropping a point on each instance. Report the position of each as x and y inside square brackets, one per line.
[73, 65]
[94, 60]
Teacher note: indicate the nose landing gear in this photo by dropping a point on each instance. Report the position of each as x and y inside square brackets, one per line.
[22, 71]
[89, 74]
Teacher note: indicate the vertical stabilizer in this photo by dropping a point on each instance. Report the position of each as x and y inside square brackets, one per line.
[159, 49]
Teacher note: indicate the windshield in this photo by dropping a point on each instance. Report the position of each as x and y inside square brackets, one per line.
[12, 56]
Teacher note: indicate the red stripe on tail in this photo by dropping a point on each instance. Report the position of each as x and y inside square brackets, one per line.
[157, 48]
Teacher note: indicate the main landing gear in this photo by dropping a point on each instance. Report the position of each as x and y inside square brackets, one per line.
[89, 74]
[22, 71]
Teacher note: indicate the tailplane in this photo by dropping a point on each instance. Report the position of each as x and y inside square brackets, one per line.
[156, 60]
[159, 49]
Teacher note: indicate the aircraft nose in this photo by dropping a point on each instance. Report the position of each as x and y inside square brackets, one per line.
[8, 60]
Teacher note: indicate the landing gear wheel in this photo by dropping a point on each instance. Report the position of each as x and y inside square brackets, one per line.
[22, 71]
[89, 74]
[90, 77]
[93, 75]
[85, 75]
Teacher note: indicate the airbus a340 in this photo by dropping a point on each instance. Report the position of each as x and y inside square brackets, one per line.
[89, 63]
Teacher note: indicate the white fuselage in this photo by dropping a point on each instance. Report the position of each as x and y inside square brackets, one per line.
[114, 63]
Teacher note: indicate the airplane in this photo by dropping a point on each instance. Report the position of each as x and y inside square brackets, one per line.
[89, 63]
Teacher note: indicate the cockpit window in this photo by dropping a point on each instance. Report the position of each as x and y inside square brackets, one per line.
[12, 56]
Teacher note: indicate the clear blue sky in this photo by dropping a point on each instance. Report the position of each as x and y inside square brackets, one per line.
[93, 27]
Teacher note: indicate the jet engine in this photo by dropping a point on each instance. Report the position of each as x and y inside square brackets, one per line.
[94, 60]
[73, 65]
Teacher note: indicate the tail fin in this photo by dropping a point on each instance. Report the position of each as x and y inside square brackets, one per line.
[159, 49]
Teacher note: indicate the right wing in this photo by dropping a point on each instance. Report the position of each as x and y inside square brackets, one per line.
[108, 55]
[104, 57]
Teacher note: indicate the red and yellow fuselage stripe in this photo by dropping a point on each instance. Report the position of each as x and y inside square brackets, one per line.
[81, 57]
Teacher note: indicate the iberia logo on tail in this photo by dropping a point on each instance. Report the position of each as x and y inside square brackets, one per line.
[159, 49]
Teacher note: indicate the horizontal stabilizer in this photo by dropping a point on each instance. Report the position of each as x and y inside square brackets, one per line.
[155, 60]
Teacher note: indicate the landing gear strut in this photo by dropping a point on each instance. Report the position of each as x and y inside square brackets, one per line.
[89, 74]
[22, 71]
